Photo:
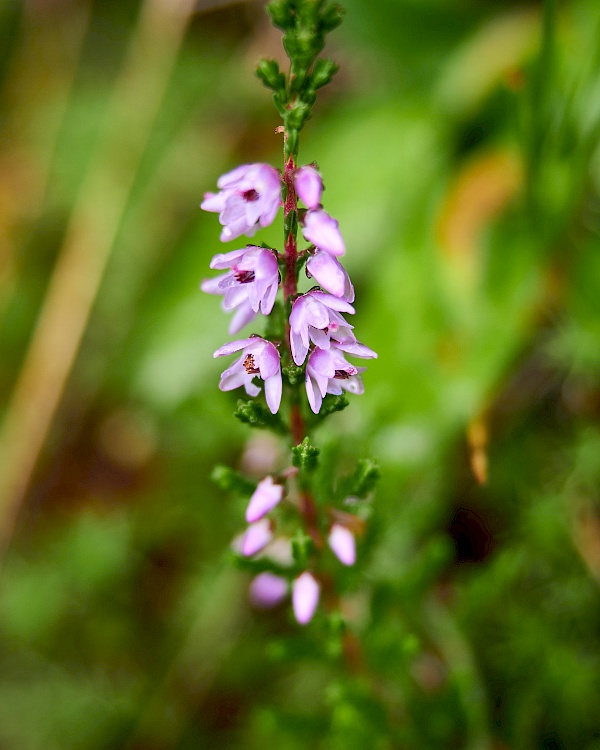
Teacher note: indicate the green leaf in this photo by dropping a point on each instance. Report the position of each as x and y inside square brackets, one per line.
[322, 73]
[305, 456]
[269, 73]
[256, 415]
[302, 548]
[281, 12]
[331, 18]
[297, 115]
[232, 481]
[330, 405]
[275, 323]
[293, 374]
[363, 481]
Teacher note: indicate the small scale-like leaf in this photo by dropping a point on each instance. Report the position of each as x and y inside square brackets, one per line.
[305, 456]
[322, 73]
[256, 415]
[302, 548]
[232, 481]
[269, 73]
[362, 481]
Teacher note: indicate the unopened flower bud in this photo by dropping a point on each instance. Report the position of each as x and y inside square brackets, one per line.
[266, 496]
[257, 537]
[342, 542]
[309, 186]
[322, 230]
[267, 590]
[305, 597]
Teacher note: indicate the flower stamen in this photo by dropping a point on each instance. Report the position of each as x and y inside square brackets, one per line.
[243, 277]
[250, 365]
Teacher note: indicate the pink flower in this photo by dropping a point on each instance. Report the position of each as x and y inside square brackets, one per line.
[259, 359]
[320, 229]
[316, 317]
[305, 597]
[267, 590]
[309, 186]
[257, 536]
[341, 540]
[248, 198]
[329, 273]
[250, 285]
[327, 371]
[265, 497]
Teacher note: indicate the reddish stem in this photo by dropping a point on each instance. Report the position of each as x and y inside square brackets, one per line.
[297, 425]
[309, 512]
[291, 248]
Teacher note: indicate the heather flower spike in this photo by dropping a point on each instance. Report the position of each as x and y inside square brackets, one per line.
[299, 351]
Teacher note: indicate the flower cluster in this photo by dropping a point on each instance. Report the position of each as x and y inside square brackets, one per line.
[317, 340]
[269, 589]
[250, 197]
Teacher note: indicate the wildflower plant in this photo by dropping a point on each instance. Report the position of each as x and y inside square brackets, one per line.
[297, 370]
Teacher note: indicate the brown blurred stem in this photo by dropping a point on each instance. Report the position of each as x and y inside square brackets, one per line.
[90, 235]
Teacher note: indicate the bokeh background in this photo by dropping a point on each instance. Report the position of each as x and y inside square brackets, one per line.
[459, 147]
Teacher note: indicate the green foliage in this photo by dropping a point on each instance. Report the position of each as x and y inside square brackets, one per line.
[275, 323]
[362, 481]
[269, 73]
[331, 404]
[230, 480]
[294, 375]
[302, 548]
[305, 24]
[255, 415]
[305, 456]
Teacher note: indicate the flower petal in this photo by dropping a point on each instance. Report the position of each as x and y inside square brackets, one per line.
[268, 360]
[273, 386]
[244, 315]
[357, 349]
[234, 346]
[314, 394]
[226, 260]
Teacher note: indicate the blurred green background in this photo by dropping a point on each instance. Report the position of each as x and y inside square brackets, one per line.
[459, 148]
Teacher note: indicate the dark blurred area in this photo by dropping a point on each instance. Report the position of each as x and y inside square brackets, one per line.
[459, 148]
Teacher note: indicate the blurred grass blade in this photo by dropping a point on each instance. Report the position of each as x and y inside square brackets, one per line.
[90, 235]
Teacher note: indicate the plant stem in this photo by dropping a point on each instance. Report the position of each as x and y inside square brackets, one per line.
[296, 424]
[309, 512]
[290, 219]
